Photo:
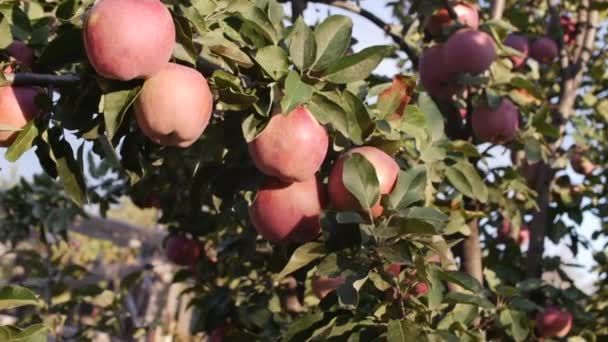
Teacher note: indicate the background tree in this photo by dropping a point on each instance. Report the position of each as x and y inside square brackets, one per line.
[304, 196]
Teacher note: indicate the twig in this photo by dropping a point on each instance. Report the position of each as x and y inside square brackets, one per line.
[498, 7]
[31, 79]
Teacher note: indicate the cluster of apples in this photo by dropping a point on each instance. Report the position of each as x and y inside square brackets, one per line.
[466, 51]
[175, 103]
[290, 151]
[544, 49]
[17, 103]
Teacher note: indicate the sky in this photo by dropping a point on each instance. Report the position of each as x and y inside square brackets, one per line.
[368, 34]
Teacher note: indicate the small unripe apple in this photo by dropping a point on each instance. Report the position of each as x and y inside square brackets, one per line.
[554, 322]
[420, 289]
[386, 169]
[174, 106]
[288, 212]
[497, 126]
[394, 269]
[21, 53]
[17, 108]
[128, 39]
[544, 50]
[467, 15]
[292, 147]
[182, 250]
[521, 44]
[403, 90]
[469, 51]
[436, 79]
[322, 286]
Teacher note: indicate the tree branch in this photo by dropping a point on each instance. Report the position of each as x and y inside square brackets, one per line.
[471, 252]
[498, 7]
[31, 79]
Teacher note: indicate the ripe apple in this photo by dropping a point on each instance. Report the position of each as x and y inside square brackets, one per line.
[21, 53]
[128, 39]
[554, 322]
[497, 126]
[322, 286]
[403, 90]
[288, 212]
[570, 28]
[17, 108]
[521, 44]
[292, 147]
[174, 106]
[434, 76]
[387, 171]
[581, 164]
[544, 50]
[467, 15]
[469, 51]
[182, 251]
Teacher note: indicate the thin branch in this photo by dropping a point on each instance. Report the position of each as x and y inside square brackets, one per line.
[498, 7]
[31, 79]
[387, 28]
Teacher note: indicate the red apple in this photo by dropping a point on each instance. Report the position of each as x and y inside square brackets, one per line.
[434, 76]
[554, 322]
[182, 250]
[21, 53]
[128, 39]
[570, 28]
[581, 164]
[469, 51]
[497, 126]
[420, 289]
[524, 235]
[288, 212]
[292, 147]
[504, 233]
[174, 106]
[544, 50]
[394, 269]
[519, 43]
[322, 286]
[17, 108]
[467, 15]
[387, 171]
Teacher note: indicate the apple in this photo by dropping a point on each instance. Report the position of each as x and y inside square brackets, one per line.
[394, 269]
[420, 289]
[469, 51]
[292, 147]
[544, 50]
[467, 15]
[403, 90]
[554, 322]
[434, 76]
[17, 108]
[21, 53]
[521, 44]
[570, 28]
[504, 233]
[497, 126]
[182, 251]
[581, 164]
[322, 286]
[288, 212]
[129, 39]
[386, 169]
[174, 106]
[524, 235]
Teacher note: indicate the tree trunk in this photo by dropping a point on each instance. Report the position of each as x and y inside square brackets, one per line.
[471, 253]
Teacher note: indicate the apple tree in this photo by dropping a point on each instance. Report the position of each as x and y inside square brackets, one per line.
[304, 195]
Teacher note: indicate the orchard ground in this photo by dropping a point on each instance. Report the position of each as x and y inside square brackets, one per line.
[368, 35]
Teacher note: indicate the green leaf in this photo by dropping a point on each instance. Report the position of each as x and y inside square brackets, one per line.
[358, 66]
[398, 253]
[195, 17]
[533, 150]
[33, 333]
[465, 298]
[360, 125]
[273, 60]
[23, 142]
[254, 15]
[301, 257]
[516, 324]
[14, 296]
[459, 181]
[333, 39]
[409, 188]
[184, 49]
[329, 112]
[301, 325]
[115, 106]
[296, 92]
[67, 9]
[478, 187]
[402, 331]
[217, 43]
[252, 126]
[462, 279]
[6, 38]
[69, 171]
[434, 119]
[435, 294]
[359, 177]
[462, 313]
[302, 46]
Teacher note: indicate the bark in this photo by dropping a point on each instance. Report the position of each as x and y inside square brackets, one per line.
[471, 253]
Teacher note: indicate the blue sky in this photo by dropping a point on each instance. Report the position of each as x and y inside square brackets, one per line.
[368, 34]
